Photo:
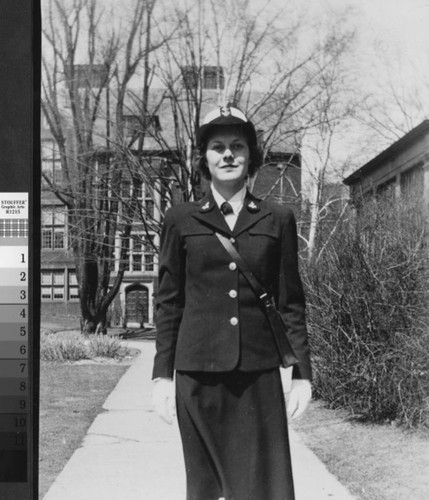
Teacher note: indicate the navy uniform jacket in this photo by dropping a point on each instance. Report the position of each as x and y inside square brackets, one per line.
[208, 317]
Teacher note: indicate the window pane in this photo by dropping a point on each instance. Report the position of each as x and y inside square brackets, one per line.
[58, 293]
[47, 147]
[137, 262]
[47, 217]
[148, 261]
[59, 217]
[139, 190]
[72, 278]
[48, 168]
[149, 208]
[125, 189]
[59, 240]
[46, 278]
[46, 239]
[58, 277]
[132, 125]
[46, 293]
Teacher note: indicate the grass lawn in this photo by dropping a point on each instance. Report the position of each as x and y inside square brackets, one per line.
[375, 462]
[71, 396]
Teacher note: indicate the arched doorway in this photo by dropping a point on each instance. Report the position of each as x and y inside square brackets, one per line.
[136, 305]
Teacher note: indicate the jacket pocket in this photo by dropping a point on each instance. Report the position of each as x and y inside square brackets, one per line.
[196, 231]
[264, 231]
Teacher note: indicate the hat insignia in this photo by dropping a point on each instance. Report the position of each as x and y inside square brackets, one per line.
[206, 206]
[225, 111]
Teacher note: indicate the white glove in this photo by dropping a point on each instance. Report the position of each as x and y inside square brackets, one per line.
[164, 399]
[299, 397]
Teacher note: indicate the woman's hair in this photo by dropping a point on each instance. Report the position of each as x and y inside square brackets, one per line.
[199, 161]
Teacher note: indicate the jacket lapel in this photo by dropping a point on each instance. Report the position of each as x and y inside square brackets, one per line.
[251, 213]
[209, 214]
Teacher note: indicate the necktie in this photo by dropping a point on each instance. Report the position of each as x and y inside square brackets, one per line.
[226, 208]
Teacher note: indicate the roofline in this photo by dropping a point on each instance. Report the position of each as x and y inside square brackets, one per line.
[408, 138]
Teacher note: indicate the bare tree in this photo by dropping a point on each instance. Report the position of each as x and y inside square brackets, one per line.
[245, 54]
[396, 103]
[76, 103]
[333, 111]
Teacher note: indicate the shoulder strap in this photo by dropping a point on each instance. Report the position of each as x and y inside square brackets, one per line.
[245, 269]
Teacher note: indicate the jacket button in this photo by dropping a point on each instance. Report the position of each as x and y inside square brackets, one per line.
[232, 294]
[232, 240]
[234, 321]
[232, 266]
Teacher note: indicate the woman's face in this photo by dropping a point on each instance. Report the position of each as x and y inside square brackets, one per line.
[227, 157]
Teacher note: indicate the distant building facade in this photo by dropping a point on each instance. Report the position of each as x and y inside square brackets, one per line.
[402, 170]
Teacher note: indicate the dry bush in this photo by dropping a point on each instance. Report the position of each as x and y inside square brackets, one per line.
[63, 346]
[367, 298]
[102, 346]
[73, 346]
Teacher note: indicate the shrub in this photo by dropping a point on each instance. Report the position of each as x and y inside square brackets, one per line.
[63, 346]
[103, 346]
[73, 346]
[367, 298]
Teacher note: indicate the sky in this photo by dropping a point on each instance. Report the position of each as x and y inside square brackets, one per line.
[400, 26]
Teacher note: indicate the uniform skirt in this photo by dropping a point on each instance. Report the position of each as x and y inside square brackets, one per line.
[234, 435]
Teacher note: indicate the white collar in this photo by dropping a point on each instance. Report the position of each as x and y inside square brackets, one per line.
[236, 201]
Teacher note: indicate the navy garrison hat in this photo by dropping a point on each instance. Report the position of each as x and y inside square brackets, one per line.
[224, 116]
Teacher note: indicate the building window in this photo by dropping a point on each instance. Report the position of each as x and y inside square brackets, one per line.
[135, 125]
[149, 207]
[141, 254]
[149, 253]
[212, 77]
[190, 77]
[73, 289]
[51, 164]
[53, 228]
[52, 283]
[386, 190]
[44, 124]
[143, 194]
[412, 183]
[90, 75]
[126, 190]
[136, 255]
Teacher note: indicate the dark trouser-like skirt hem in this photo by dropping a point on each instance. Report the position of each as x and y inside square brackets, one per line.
[234, 435]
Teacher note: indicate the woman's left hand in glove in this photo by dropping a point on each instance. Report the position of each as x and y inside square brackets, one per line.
[298, 398]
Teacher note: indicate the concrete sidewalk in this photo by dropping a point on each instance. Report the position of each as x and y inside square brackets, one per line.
[130, 454]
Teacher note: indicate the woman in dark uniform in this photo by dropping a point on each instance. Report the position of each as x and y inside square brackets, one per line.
[213, 332]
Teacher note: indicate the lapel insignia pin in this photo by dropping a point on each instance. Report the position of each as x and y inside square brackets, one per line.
[253, 207]
[206, 206]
